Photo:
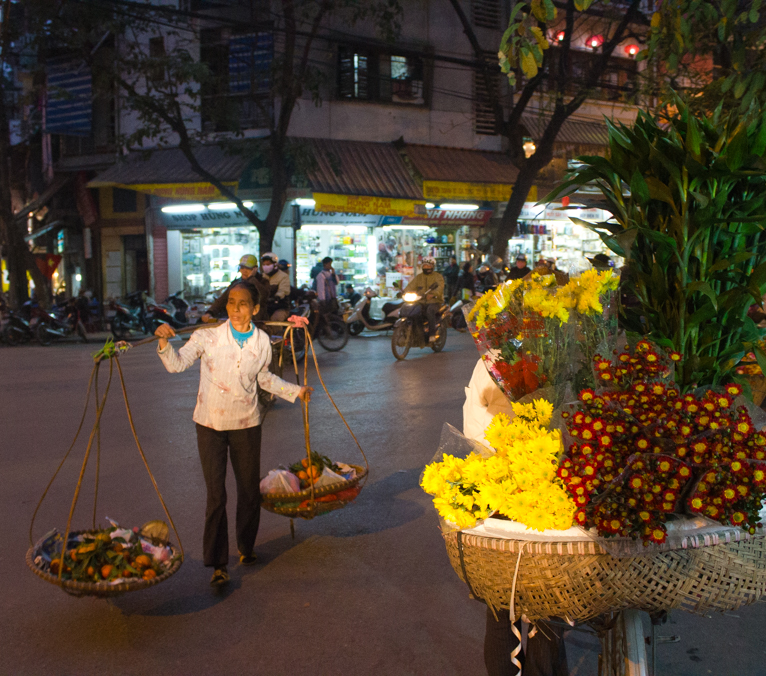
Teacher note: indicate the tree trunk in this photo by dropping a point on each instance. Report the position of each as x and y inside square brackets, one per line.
[524, 182]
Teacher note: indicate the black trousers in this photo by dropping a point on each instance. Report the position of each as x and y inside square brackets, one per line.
[431, 310]
[545, 654]
[244, 447]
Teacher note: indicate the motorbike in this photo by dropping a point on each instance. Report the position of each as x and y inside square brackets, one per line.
[360, 318]
[66, 320]
[411, 329]
[131, 316]
[15, 329]
[458, 318]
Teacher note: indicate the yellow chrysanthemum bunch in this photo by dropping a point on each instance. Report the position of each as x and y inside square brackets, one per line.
[583, 294]
[518, 480]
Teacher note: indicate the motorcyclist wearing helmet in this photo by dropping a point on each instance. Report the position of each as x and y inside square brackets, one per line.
[279, 283]
[248, 269]
[432, 299]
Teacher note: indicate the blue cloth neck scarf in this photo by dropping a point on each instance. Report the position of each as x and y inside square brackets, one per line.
[240, 337]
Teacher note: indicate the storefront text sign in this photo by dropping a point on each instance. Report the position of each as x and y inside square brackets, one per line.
[220, 218]
[311, 216]
[454, 190]
[184, 191]
[357, 204]
[443, 218]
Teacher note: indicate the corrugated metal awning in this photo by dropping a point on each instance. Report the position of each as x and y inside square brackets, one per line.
[361, 168]
[581, 132]
[436, 163]
[168, 165]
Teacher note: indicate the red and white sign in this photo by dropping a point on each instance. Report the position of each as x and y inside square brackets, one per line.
[446, 218]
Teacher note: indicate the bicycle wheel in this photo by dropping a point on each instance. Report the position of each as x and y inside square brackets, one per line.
[332, 333]
[401, 340]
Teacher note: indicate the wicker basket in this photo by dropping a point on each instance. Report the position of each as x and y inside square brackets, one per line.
[579, 581]
[100, 589]
[288, 504]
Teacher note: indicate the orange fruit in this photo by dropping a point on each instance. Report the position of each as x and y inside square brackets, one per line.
[91, 571]
[149, 574]
[315, 471]
[73, 555]
[143, 561]
[305, 462]
[303, 476]
[106, 571]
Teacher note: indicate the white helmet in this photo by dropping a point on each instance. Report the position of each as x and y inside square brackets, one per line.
[269, 256]
[429, 260]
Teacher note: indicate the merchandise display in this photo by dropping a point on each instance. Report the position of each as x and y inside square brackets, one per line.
[346, 245]
[550, 232]
[210, 257]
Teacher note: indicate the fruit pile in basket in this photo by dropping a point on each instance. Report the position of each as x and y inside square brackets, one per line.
[308, 473]
[109, 555]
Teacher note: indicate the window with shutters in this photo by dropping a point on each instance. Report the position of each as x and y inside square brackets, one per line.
[484, 115]
[372, 75]
[486, 13]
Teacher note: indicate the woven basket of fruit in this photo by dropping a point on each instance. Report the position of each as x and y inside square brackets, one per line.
[314, 486]
[103, 563]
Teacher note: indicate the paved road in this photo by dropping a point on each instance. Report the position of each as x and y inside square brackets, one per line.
[364, 590]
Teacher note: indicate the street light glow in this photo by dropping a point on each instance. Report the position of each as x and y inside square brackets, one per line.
[305, 202]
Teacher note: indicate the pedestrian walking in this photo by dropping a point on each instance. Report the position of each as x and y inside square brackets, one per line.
[327, 286]
[235, 358]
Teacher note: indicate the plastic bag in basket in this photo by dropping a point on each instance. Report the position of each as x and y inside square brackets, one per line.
[280, 481]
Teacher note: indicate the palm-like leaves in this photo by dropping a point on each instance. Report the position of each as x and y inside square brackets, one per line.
[689, 208]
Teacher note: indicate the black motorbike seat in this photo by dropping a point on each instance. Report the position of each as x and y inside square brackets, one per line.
[391, 306]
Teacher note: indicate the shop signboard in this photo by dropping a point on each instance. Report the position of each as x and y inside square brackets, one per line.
[310, 216]
[443, 218]
[183, 191]
[459, 190]
[361, 204]
[218, 218]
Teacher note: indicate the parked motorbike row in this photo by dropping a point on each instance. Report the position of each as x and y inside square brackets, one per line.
[137, 315]
[32, 322]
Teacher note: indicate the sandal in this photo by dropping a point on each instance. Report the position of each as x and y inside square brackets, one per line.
[220, 576]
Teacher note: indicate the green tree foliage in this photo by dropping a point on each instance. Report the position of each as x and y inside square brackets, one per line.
[689, 213]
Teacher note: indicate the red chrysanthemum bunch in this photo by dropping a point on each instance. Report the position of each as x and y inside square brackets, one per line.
[635, 450]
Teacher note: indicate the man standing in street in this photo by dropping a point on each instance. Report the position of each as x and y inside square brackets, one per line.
[450, 274]
[327, 286]
[279, 287]
[521, 270]
[432, 298]
[248, 269]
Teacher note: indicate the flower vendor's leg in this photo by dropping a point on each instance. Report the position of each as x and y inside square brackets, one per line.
[245, 449]
[213, 446]
[546, 654]
[499, 642]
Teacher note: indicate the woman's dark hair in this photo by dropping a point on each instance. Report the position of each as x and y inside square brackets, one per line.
[467, 267]
[254, 293]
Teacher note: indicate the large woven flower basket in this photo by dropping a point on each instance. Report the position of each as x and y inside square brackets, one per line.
[100, 589]
[289, 504]
[580, 580]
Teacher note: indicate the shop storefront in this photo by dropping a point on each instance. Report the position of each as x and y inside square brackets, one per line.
[346, 238]
[549, 232]
[205, 243]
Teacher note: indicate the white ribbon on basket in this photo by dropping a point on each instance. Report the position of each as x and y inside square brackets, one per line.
[515, 652]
